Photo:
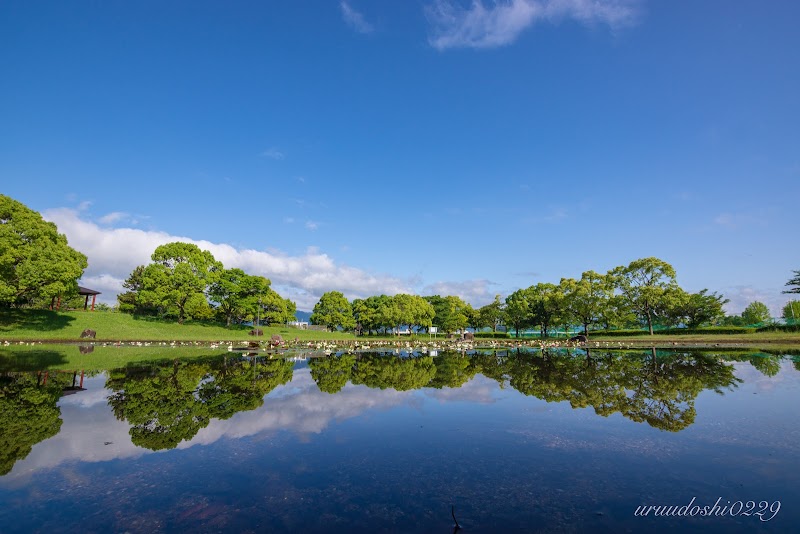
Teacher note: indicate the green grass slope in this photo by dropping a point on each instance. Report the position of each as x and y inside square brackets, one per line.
[45, 325]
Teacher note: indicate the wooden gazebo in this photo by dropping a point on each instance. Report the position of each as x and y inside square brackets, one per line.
[85, 291]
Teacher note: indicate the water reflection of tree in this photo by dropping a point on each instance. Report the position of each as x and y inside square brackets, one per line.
[402, 374]
[768, 364]
[453, 370]
[332, 373]
[242, 386]
[28, 413]
[657, 389]
[168, 404]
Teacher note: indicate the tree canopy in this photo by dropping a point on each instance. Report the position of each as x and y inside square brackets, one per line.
[794, 283]
[755, 313]
[237, 293]
[179, 277]
[35, 260]
[648, 286]
[188, 283]
[333, 311]
[791, 310]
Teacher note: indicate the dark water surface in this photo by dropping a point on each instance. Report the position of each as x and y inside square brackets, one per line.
[558, 442]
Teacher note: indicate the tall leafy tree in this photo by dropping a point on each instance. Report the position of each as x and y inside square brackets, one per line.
[491, 315]
[547, 306]
[238, 293]
[794, 283]
[756, 312]
[179, 273]
[647, 286]
[334, 311]
[35, 260]
[130, 301]
[450, 312]
[588, 298]
[276, 309]
[696, 309]
[412, 310]
[791, 311]
[518, 311]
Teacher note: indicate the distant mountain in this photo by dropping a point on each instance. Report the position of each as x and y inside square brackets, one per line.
[303, 316]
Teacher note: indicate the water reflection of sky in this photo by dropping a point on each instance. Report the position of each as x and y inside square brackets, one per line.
[382, 460]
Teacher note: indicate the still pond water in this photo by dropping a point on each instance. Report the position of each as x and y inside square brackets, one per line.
[383, 442]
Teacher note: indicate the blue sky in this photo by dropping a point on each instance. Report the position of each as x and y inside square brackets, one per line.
[449, 147]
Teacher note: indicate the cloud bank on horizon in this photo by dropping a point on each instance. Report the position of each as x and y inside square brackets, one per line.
[114, 252]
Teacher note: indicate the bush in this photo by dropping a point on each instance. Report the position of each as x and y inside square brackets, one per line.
[492, 335]
[779, 328]
[677, 331]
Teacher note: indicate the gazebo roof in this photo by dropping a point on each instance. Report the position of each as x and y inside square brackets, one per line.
[86, 291]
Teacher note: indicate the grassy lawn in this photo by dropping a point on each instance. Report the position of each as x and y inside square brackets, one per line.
[753, 338]
[62, 357]
[45, 325]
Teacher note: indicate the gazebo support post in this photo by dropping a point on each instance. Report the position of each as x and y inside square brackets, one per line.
[94, 297]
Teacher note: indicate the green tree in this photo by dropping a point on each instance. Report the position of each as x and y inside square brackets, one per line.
[373, 313]
[35, 260]
[755, 313]
[517, 312]
[696, 309]
[647, 286]
[587, 299]
[412, 310]
[237, 293]
[276, 309]
[130, 301]
[450, 312]
[791, 311]
[547, 306]
[491, 315]
[333, 311]
[794, 283]
[179, 273]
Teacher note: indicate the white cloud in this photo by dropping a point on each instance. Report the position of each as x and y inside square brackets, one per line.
[354, 19]
[311, 225]
[273, 153]
[85, 205]
[476, 292]
[108, 286]
[91, 433]
[499, 24]
[114, 252]
[741, 296]
[114, 216]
